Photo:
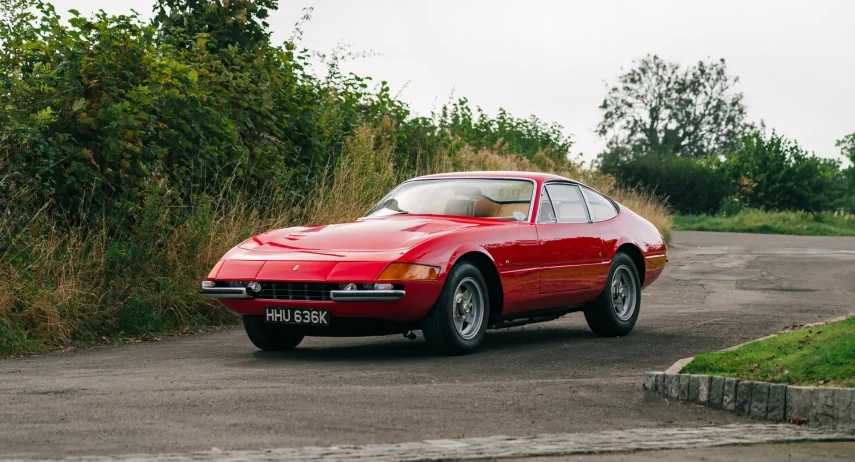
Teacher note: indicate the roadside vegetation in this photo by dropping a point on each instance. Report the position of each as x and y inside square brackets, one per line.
[758, 221]
[820, 355]
[133, 155]
[683, 133]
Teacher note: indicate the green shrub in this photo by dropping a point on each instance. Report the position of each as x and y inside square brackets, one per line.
[774, 173]
[689, 185]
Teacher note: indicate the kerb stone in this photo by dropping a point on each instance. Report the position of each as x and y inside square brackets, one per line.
[728, 398]
[776, 410]
[650, 380]
[684, 387]
[844, 402]
[716, 392]
[822, 407]
[694, 388]
[798, 403]
[672, 381]
[743, 397]
[759, 400]
[704, 382]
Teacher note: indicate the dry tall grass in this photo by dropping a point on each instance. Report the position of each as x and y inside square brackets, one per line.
[78, 285]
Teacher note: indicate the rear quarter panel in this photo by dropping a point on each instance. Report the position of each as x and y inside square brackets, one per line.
[630, 228]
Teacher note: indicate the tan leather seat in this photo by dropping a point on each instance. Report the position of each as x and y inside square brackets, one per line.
[460, 207]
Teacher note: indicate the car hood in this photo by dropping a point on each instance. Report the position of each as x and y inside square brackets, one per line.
[364, 235]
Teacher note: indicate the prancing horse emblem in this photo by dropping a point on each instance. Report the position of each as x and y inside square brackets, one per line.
[295, 267]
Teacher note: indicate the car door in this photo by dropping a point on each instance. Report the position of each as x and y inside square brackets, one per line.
[570, 252]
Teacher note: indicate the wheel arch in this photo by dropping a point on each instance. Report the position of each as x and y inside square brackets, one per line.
[485, 263]
[637, 257]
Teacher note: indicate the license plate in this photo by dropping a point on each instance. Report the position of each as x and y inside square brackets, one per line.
[302, 316]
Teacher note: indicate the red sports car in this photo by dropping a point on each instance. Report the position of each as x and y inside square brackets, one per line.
[451, 255]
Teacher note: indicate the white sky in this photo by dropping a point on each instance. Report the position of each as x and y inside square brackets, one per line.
[552, 58]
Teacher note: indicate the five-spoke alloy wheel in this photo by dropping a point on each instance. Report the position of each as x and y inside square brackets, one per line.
[468, 308]
[615, 312]
[456, 324]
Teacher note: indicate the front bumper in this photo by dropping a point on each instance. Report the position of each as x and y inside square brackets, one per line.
[335, 295]
[403, 306]
[225, 292]
[367, 295]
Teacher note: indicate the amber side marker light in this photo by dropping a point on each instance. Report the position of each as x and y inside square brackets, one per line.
[408, 272]
[216, 269]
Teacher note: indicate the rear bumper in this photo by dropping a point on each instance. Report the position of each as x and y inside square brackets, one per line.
[403, 306]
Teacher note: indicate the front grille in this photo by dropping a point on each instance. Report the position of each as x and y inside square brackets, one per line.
[314, 291]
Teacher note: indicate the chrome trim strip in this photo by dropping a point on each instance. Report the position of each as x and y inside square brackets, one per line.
[366, 295]
[225, 292]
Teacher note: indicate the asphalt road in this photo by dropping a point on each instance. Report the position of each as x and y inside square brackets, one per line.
[215, 390]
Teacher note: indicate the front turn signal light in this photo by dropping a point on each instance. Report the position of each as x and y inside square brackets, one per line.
[216, 269]
[408, 272]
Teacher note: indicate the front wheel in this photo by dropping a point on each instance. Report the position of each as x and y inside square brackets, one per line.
[615, 312]
[458, 322]
[271, 337]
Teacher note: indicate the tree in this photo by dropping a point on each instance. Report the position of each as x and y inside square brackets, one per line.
[15, 19]
[240, 23]
[660, 108]
[847, 147]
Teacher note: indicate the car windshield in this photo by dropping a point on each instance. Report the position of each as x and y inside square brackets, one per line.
[501, 199]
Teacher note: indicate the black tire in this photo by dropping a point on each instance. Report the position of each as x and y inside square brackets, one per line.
[439, 327]
[271, 337]
[609, 316]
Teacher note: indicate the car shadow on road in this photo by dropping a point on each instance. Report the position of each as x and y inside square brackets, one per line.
[396, 349]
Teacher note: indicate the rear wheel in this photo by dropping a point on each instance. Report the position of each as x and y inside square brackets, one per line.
[458, 321]
[615, 312]
[271, 337]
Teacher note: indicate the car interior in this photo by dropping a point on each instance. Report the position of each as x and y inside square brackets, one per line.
[484, 207]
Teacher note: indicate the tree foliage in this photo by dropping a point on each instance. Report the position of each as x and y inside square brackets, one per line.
[238, 23]
[526, 137]
[96, 108]
[661, 108]
[847, 149]
[774, 173]
[689, 185]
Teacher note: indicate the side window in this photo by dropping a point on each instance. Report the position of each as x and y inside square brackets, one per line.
[601, 208]
[545, 214]
[568, 203]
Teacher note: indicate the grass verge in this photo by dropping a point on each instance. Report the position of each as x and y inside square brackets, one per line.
[758, 221]
[820, 355]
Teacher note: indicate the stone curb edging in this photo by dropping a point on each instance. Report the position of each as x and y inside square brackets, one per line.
[496, 447]
[824, 406]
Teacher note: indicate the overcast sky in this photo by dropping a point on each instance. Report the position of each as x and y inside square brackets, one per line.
[795, 59]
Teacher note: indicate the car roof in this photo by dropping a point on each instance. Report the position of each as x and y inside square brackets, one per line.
[536, 176]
